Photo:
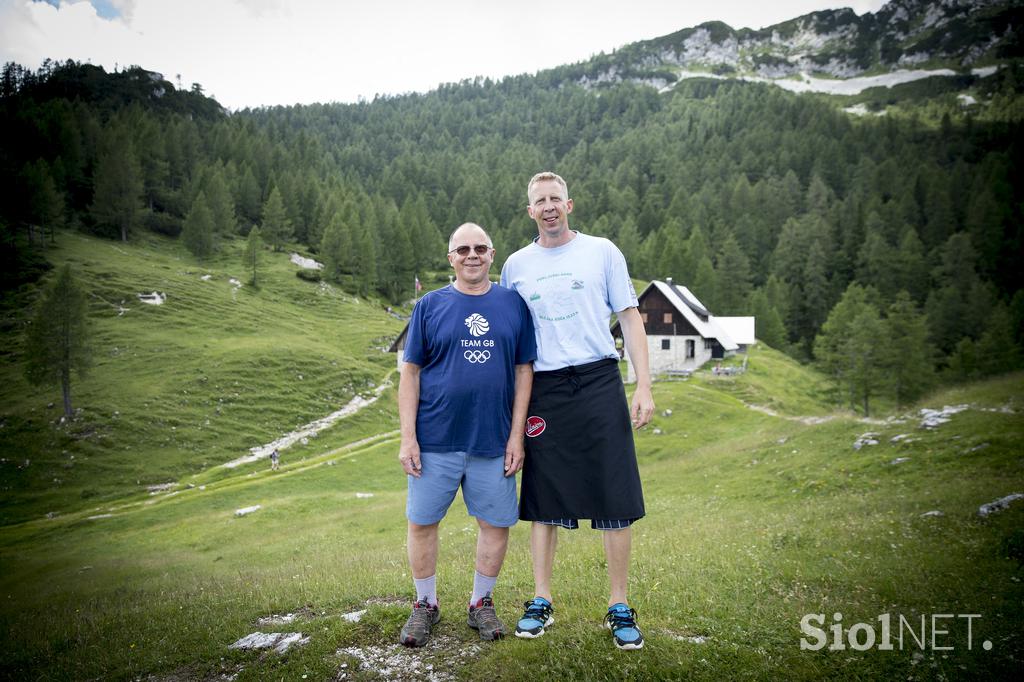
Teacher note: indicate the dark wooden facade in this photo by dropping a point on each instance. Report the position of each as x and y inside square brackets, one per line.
[661, 317]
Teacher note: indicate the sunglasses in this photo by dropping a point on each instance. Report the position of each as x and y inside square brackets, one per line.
[479, 249]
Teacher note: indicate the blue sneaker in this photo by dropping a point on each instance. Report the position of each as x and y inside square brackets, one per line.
[621, 620]
[535, 619]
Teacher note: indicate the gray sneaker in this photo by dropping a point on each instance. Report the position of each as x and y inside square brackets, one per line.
[416, 630]
[483, 619]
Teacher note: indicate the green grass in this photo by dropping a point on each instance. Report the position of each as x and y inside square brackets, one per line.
[755, 517]
[179, 388]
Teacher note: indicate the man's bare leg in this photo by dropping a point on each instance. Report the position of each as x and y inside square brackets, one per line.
[543, 542]
[617, 546]
[422, 547]
[491, 545]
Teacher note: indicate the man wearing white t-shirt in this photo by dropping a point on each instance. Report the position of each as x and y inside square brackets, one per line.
[580, 458]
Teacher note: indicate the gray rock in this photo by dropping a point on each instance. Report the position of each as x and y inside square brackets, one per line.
[932, 418]
[999, 505]
[278, 641]
[354, 617]
[865, 439]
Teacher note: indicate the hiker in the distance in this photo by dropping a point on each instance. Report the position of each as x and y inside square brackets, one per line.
[580, 458]
[462, 404]
[275, 460]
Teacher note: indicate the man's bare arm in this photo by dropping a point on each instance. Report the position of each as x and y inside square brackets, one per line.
[514, 450]
[408, 406]
[635, 339]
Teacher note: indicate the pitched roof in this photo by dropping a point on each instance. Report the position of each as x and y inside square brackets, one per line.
[690, 307]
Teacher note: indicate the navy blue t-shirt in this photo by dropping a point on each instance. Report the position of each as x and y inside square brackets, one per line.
[467, 348]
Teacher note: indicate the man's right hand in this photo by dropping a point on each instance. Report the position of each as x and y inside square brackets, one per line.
[409, 456]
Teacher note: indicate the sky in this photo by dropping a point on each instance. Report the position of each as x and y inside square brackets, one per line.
[251, 53]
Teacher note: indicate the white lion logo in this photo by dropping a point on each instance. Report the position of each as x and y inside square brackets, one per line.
[478, 326]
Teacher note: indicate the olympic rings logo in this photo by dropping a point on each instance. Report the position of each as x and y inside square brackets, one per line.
[477, 356]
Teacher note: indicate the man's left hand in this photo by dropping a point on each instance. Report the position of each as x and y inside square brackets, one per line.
[514, 454]
[643, 407]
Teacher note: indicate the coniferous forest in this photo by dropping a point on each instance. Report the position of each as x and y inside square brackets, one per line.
[885, 248]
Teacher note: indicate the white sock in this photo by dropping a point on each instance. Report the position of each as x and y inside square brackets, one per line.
[483, 586]
[426, 588]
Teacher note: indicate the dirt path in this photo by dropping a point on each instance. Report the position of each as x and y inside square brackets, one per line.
[355, 405]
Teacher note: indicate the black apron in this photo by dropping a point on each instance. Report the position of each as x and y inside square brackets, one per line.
[580, 459]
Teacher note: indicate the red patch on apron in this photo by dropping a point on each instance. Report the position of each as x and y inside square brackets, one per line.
[535, 426]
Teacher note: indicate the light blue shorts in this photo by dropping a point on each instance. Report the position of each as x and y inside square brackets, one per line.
[489, 494]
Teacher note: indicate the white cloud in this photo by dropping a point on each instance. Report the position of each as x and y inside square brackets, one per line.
[255, 52]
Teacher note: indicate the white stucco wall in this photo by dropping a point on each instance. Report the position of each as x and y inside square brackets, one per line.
[661, 361]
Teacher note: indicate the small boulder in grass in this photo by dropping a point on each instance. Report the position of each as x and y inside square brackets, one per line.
[865, 439]
[354, 617]
[999, 505]
[244, 511]
[278, 641]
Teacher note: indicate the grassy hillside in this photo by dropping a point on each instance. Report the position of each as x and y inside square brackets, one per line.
[179, 388]
[754, 520]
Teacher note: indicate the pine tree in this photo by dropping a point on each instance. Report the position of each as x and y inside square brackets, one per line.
[601, 227]
[907, 356]
[652, 251]
[248, 198]
[996, 350]
[790, 253]
[705, 284]
[668, 252]
[985, 220]
[962, 362]
[911, 269]
[960, 303]
[767, 320]
[876, 264]
[819, 197]
[275, 228]
[427, 244]
[695, 249]
[832, 346]
[57, 342]
[396, 276]
[46, 203]
[814, 293]
[198, 230]
[334, 248]
[629, 243]
[937, 208]
[221, 204]
[253, 254]
[733, 274]
[863, 348]
[117, 202]
[1017, 317]
[778, 295]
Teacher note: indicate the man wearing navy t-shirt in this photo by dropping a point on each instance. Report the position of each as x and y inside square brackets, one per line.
[462, 400]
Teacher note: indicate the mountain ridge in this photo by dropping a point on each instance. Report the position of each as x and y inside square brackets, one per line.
[917, 34]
